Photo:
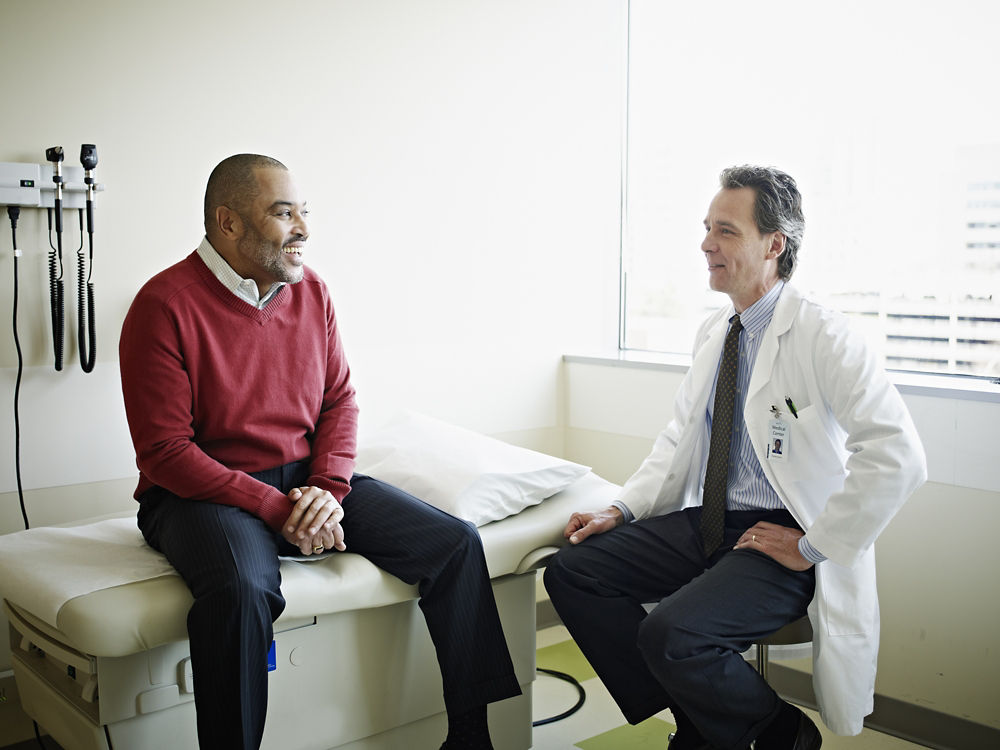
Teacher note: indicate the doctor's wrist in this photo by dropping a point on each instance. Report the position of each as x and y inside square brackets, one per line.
[809, 552]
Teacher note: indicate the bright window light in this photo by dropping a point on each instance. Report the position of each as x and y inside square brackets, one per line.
[887, 115]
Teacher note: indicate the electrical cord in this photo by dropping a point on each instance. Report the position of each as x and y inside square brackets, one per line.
[38, 735]
[576, 707]
[13, 212]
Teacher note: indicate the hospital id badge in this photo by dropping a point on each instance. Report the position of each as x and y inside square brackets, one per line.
[777, 441]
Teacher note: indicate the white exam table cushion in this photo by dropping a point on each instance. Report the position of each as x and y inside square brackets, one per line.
[47, 566]
[134, 603]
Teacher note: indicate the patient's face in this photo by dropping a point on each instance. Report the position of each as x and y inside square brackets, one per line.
[274, 231]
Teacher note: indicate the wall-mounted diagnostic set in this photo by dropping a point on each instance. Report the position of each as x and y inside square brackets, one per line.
[56, 186]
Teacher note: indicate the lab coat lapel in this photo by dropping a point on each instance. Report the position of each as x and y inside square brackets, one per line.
[781, 321]
[706, 364]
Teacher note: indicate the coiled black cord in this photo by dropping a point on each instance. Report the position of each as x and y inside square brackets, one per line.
[85, 321]
[56, 298]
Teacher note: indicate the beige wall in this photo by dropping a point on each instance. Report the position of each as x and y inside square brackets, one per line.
[461, 161]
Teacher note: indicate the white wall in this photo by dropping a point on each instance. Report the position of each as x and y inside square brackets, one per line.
[460, 160]
[937, 561]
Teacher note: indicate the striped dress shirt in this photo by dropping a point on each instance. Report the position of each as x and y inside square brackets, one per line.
[748, 486]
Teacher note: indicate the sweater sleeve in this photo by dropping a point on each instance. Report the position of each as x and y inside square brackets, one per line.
[159, 407]
[334, 441]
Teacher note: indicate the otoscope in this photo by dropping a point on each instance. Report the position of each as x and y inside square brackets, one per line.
[55, 155]
[86, 322]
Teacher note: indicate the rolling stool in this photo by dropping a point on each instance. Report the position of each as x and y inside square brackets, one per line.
[797, 631]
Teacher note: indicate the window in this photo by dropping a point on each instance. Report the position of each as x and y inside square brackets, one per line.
[886, 114]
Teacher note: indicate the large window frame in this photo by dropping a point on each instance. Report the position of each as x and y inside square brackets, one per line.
[872, 318]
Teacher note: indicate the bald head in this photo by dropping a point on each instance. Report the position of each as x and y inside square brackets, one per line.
[233, 183]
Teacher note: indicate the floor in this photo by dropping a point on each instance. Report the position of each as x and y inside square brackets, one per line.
[599, 725]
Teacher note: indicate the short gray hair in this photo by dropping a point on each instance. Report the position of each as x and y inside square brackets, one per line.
[777, 207]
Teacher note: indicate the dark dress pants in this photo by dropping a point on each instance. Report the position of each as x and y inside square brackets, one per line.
[686, 653]
[229, 560]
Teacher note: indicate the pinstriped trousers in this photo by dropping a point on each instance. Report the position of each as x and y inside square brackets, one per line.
[229, 560]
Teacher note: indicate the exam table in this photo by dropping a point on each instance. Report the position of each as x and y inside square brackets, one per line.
[109, 667]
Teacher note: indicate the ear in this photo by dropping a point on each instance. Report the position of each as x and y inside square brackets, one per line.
[228, 222]
[777, 246]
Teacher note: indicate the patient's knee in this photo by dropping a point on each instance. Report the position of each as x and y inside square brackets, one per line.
[244, 592]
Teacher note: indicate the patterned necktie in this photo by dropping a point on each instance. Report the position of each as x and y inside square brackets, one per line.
[716, 475]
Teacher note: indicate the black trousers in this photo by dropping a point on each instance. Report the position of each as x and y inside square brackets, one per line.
[685, 654]
[229, 560]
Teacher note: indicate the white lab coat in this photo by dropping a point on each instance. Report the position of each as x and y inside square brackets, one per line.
[852, 458]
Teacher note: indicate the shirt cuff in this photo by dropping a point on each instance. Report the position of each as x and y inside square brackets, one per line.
[626, 513]
[809, 552]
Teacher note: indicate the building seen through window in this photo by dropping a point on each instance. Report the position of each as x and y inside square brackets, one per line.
[885, 115]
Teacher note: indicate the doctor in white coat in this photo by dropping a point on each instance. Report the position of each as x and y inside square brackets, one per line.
[800, 522]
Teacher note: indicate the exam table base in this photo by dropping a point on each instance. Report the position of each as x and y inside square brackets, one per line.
[367, 679]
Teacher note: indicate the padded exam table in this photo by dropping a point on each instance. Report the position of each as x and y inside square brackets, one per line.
[100, 653]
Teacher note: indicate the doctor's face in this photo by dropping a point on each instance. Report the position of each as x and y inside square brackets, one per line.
[742, 262]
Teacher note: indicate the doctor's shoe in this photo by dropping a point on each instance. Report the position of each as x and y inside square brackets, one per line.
[791, 730]
[687, 741]
[808, 736]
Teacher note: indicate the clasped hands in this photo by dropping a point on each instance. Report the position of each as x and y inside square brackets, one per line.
[314, 523]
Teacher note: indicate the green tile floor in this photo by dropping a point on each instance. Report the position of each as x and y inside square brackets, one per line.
[599, 724]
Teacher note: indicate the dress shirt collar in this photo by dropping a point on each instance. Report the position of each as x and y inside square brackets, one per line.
[756, 317]
[245, 289]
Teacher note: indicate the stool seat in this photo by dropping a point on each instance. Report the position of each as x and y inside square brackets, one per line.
[797, 631]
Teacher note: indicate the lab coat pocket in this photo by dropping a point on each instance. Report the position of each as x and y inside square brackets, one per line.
[847, 597]
[810, 453]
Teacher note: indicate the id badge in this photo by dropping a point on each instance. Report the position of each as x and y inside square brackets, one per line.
[777, 442]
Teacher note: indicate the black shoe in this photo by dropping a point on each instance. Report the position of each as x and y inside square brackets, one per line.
[808, 736]
[678, 741]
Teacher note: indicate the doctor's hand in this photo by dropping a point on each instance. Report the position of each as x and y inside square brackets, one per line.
[314, 522]
[780, 543]
[582, 525]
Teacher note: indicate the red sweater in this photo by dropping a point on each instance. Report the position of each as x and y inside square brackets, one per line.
[215, 388]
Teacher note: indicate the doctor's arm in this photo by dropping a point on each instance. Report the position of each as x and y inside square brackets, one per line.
[885, 459]
[780, 543]
[583, 525]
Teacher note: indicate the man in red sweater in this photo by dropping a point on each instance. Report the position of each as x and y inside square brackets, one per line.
[244, 422]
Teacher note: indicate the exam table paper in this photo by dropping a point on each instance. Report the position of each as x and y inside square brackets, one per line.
[43, 568]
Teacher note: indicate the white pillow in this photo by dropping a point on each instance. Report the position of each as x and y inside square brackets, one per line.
[465, 473]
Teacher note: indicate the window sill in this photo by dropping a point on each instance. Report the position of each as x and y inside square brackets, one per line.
[908, 383]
